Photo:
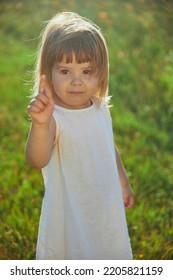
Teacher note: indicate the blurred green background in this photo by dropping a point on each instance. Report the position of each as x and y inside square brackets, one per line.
[139, 34]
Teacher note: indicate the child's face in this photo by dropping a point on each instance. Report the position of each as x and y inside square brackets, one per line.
[74, 84]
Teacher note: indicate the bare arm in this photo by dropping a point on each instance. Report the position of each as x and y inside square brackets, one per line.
[128, 195]
[42, 133]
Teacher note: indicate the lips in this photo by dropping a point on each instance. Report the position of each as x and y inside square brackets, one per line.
[75, 92]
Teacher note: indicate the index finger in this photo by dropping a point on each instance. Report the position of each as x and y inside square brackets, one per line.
[42, 84]
[48, 93]
[43, 88]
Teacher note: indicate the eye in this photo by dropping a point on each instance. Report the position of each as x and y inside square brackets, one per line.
[64, 71]
[87, 72]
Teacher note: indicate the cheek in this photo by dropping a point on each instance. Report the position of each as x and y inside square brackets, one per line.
[57, 82]
[56, 86]
[55, 79]
[94, 84]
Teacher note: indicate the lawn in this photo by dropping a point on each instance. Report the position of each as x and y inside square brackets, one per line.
[140, 38]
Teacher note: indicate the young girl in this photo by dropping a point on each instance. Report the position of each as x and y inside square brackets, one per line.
[71, 140]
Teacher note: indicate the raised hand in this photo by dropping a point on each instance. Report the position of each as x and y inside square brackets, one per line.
[41, 107]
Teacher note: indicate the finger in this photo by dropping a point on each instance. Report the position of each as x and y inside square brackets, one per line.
[126, 201]
[48, 94]
[129, 202]
[33, 109]
[37, 103]
[45, 89]
[42, 84]
[42, 98]
[126, 204]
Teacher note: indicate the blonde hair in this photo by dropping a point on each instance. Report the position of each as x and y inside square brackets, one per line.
[67, 35]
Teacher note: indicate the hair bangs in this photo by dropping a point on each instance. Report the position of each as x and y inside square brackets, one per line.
[80, 48]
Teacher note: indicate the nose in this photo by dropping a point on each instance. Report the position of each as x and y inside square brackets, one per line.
[76, 80]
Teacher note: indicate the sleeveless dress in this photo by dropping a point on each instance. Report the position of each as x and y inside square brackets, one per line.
[83, 215]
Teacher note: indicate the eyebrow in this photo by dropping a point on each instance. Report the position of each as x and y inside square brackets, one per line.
[68, 65]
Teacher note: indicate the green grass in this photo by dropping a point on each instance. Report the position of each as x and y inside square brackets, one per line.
[139, 35]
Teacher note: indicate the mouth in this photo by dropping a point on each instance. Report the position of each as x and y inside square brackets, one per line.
[76, 92]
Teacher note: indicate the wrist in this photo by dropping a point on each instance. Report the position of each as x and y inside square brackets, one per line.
[125, 186]
[43, 125]
[125, 183]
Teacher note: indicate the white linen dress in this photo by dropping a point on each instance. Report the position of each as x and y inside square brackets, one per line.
[83, 215]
